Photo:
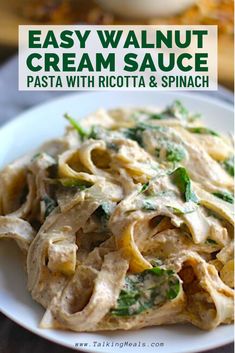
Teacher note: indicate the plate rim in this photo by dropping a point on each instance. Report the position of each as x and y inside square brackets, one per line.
[43, 334]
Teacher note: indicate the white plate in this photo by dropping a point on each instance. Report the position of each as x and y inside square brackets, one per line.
[44, 122]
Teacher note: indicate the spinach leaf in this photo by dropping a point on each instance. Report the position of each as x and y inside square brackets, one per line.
[100, 133]
[156, 116]
[50, 205]
[174, 288]
[168, 150]
[156, 262]
[181, 178]
[75, 183]
[112, 146]
[37, 155]
[175, 152]
[82, 133]
[104, 212]
[53, 171]
[144, 187]
[136, 133]
[225, 196]
[181, 211]
[176, 210]
[177, 110]
[228, 165]
[211, 241]
[142, 291]
[203, 131]
[96, 132]
[149, 206]
[139, 114]
[107, 209]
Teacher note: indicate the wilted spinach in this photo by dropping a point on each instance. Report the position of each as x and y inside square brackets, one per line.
[181, 178]
[228, 165]
[82, 133]
[211, 241]
[104, 212]
[144, 187]
[50, 205]
[136, 133]
[148, 205]
[75, 183]
[225, 196]
[203, 131]
[142, 291]
[175, 152]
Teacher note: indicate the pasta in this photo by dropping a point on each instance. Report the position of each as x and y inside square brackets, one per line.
[126, 221]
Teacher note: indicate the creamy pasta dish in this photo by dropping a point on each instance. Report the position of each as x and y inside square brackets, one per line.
[126, 221]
